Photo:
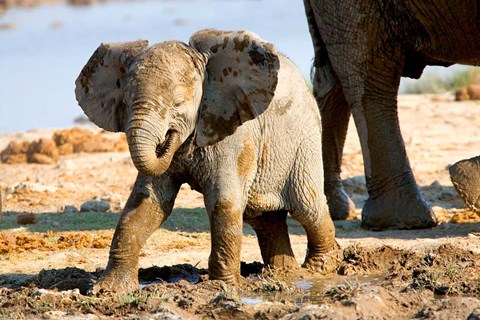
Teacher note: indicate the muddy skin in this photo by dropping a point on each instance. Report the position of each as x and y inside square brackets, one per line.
[272, 233]
[213, 114]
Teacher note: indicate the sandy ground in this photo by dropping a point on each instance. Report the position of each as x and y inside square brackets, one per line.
[368, 283]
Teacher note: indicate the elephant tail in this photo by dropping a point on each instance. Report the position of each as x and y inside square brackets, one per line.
[321, 72]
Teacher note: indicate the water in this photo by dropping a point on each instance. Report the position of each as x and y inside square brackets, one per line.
[315, 288]
[42, 56]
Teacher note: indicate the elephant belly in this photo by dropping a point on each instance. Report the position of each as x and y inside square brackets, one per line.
[259, 201]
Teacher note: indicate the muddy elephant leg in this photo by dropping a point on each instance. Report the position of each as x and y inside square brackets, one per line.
[149, 204]
[226, 227]
[272, 233]
[394, 198]
[320, 232]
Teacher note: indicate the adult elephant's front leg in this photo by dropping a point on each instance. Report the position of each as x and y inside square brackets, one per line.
[394, 197]
[149, 204]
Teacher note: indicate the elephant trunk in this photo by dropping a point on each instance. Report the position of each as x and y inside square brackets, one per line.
[151, 145]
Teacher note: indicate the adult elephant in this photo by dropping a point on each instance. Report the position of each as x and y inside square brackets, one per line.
[362, 48]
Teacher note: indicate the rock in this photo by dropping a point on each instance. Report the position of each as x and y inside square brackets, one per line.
[444, 225]
[26, 218]
[95, 206]
[70, 209]
[436, 185]
[465, 176]
[55, 224]
[470, 92]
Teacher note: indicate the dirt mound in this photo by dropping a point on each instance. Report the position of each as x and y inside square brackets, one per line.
[76, 140]
[15, 152]
[361, 260]
[63, 142]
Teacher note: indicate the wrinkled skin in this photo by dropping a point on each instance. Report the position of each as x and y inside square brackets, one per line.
[227, 115]
[362, 48]
[465, 176]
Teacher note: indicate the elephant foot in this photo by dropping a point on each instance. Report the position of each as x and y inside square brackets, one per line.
[117, 282]
[324, 263]
[398, 209]
[231, 279]
[282, 262]
[465, 176]
[340, 205]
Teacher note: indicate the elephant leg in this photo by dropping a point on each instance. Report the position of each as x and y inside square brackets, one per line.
[320, 232]
[394, 199]
[149, 204]
[226, 227]
[335, 113]
[272, 233]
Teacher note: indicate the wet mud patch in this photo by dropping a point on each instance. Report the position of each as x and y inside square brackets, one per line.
[67, 279]
[367, 283]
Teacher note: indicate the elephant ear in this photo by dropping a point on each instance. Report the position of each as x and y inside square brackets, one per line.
[240, 81]
[99, 87]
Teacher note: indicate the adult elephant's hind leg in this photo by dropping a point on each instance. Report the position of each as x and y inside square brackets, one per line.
[335, 113]
[394, 198]
[148, 206]
[272, 233]
[335, 117]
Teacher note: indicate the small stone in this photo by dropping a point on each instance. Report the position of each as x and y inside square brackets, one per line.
[444, 225]
[70, 209]
[40, 292]
[95, 206]
[349, 225]
[26, 218]
[436, 185]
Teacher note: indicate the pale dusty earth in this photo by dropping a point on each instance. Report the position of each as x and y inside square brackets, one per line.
[380, 275]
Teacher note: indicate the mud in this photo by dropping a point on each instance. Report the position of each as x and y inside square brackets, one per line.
[407, 285]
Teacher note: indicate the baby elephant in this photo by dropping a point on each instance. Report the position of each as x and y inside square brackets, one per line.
[231, 117]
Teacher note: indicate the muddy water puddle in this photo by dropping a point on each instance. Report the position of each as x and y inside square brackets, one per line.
[315, 289]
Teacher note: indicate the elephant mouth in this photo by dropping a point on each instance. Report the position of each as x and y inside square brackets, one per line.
[168, 144]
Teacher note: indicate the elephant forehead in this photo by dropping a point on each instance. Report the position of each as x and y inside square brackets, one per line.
[169, 61]
[166, 69]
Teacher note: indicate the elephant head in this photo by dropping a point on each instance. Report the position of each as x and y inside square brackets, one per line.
[160, 95]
